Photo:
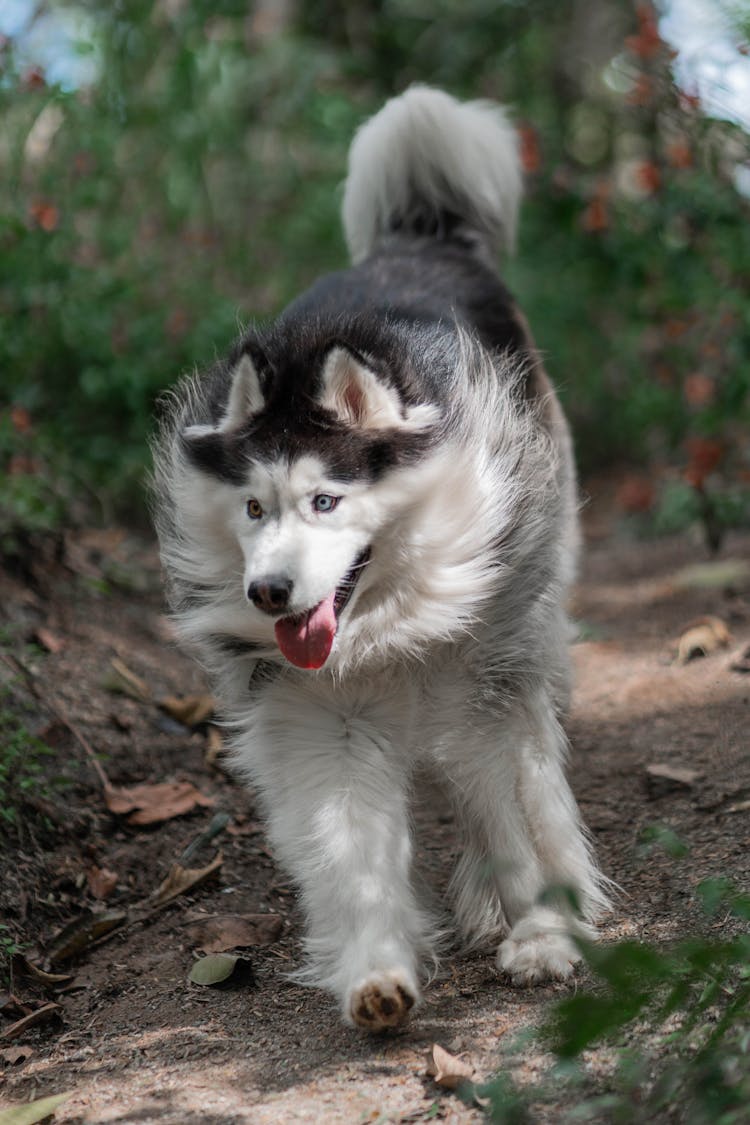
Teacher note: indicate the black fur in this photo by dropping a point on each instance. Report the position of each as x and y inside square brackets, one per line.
[399, 311]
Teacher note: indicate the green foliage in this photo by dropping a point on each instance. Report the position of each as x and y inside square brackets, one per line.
[194, 183]
[674, 1022]
[22, 759]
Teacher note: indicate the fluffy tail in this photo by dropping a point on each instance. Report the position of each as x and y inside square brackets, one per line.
[426, 162]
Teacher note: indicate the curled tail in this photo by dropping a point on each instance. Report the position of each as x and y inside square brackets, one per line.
[428, 163]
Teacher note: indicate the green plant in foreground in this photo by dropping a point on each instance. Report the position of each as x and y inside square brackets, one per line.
[674, 1022]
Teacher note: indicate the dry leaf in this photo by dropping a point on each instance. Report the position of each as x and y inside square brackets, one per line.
[101, 881]
[703, 636]
[22, 967]
[152, 804]
[221, 932]
[10, 1006]
[16, 1056]
[190, 710]
[447, 1071]
[126, 682]
[181, 879]
[44, 1014]
[49, 640]
[680, 775]
[78, 935]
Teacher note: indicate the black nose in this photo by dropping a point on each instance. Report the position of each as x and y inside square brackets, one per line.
[271, 594]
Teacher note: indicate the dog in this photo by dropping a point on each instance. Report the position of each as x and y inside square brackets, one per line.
[368, 522]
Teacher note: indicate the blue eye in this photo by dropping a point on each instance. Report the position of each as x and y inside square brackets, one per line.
[324, 503]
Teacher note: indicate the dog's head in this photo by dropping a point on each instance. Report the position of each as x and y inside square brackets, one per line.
[298, 465]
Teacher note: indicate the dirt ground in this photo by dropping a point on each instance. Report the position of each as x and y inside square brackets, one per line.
[132, 1039]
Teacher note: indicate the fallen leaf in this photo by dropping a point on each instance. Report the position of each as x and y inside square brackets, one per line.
[152, 804]
[10, 1005]
[32, 1112]
[190, 710]
[221, 932]
[101, 881]
[219, 968]
[702, 637]
[22, 967]
[447, 1070]
[16, 1056]
[740, 806]
[49, 640]
[680, 775]
[180, 879]
[44, 1014]
[81, 933]
[125, 682]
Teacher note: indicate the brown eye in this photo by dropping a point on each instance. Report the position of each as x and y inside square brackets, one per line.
[254, 509]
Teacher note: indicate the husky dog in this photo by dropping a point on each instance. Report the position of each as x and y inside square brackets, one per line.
[367, 516]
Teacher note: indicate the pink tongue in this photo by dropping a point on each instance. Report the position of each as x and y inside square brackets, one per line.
[307, 640]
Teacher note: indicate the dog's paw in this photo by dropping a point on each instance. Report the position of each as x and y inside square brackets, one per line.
[539, 957]
[382, 1000]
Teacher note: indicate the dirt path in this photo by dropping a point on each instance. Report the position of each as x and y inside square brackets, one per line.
[134, 1040]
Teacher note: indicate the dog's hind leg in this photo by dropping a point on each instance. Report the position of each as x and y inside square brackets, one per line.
[336, 792]
[528, 855]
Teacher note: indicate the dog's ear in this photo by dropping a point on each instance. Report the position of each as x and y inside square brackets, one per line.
[245, 395]
[245, 399]
[352, 391]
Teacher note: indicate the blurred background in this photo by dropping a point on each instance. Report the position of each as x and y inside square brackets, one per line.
[171, 170]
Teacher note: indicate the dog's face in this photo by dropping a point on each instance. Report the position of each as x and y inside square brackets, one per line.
[305, 543]
[305, 492]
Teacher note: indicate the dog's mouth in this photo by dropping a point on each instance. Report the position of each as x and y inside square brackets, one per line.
[306, 639]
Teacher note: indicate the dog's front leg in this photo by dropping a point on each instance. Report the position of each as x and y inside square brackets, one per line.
[336, 793]
[524, 838]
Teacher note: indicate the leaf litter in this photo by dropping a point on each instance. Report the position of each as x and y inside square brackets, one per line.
[222, 969]
[702, 637]
[679, 740]
[219, 933]
[151, 804]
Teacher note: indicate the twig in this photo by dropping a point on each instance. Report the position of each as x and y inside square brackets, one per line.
[18, 666]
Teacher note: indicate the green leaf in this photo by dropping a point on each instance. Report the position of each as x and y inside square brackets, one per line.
[32, 1112]
[219, 967]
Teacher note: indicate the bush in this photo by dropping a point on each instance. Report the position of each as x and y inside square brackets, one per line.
[674, 1023]
[188, 179]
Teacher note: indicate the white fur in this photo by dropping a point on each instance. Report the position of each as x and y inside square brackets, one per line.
[452, 651]
[459, 156]
[419, 673]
